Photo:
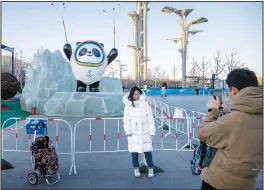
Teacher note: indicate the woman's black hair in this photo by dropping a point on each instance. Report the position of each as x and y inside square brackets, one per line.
[131, 93]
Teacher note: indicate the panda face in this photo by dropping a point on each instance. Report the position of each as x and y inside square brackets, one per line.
[89, 54]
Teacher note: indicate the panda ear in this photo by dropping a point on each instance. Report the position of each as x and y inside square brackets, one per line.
[102, 44]
[77, 43]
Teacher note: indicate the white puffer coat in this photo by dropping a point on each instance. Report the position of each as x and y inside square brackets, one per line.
[139, 122]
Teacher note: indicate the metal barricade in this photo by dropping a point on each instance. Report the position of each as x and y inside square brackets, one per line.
[179, 115]
[153, 105]
[195, 123]
[181, 138]
[177, 118]
[23, 138]
[165, 114]
[104, 137]
[109, 137]
[159, 110]
[181, 128]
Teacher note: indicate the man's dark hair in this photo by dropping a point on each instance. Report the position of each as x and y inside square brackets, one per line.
[242, 78]
[131, 93]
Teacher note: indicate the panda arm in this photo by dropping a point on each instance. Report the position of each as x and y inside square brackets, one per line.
[67, 51]
[112, 55]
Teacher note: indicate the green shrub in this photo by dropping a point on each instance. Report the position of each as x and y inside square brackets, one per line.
[5, 165]
[9, 85]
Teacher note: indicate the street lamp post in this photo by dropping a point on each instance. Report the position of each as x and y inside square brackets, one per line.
[185, 32]
[139, 60]
[121, 68]
[114, 21]
[155, 81]
[142, 60]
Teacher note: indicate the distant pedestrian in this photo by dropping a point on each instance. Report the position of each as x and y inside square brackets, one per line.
[163, 89]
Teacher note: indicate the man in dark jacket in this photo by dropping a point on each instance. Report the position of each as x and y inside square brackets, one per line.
[237, 136]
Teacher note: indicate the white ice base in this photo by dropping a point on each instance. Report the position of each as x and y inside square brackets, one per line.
[77, 104]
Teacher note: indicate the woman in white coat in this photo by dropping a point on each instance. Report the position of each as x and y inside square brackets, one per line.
[140, 128]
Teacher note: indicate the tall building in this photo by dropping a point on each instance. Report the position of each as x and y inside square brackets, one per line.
[139, 18]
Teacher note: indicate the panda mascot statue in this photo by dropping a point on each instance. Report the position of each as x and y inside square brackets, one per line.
[88, 62]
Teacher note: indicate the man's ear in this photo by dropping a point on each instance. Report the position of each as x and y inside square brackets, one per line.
[234, 91]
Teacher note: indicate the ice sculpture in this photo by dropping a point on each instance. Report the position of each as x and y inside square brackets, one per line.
[110, 85]
[51, 86]
[85, 104]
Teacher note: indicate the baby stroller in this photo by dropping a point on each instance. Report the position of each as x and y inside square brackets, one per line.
[44, 158]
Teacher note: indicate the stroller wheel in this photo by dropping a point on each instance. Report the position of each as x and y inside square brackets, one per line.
[32, 178]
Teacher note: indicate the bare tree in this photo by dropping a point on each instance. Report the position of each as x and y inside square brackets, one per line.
[203, 70]
[174, 71]
[20, 66]
[6, 64]
[157, 71]
[164, 75]
[111, 72]
[36, 54]
[157, 74]
[232, 63]
[193, 73]
[218, 65]
[150, 74]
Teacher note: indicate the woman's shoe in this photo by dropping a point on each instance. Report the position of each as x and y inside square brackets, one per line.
[137, 172]
[150, 172]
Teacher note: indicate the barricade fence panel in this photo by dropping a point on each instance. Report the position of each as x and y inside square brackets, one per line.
[99, 135]
[188, 127]
[167, 112]
[16, 139]
[195, 124]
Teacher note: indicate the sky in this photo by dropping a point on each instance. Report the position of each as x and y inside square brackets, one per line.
[231, 27]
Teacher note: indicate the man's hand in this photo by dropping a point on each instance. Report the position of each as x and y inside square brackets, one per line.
[212, 103]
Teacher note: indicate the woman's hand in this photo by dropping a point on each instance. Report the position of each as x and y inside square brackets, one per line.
[129, 135]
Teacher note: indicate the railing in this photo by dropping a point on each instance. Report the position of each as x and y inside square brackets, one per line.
[14, 131]
[103, 135]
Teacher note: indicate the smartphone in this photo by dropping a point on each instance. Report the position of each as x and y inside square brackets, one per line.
[218, 93]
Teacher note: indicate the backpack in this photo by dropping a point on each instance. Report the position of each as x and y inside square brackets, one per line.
[198, 156]
[210, 153]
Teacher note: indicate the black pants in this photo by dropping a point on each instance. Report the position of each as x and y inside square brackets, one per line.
[148, 156]
[206, 186]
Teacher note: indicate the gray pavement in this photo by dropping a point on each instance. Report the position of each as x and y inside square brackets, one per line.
[105, 170]
[188, 102]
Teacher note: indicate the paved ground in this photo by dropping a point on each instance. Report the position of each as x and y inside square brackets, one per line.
[97, 170]
[188, 102]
